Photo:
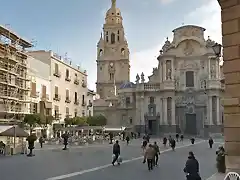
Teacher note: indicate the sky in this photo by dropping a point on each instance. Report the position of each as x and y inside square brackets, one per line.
[74, 27]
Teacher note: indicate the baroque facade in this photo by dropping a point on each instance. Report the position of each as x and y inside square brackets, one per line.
[183, 93]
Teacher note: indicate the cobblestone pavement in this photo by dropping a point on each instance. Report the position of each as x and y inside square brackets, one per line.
[94, 163]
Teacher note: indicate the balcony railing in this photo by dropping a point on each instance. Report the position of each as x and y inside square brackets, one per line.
[83, 103]
[76, 102]
[45, 97]
[67, 79]
[57, 97]
[57, 74]
[67, 100]
[76, 81]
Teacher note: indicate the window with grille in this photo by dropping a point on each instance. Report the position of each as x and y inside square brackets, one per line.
[189, 79]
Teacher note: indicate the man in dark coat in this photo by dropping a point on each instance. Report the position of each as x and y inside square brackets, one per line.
[157, 151]
[164, 141]
[173, 144]
[116, 152]
[192, 168]
[192, 140]
[210, 142]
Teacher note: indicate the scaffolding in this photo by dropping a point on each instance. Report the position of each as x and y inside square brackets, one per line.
[14, 82]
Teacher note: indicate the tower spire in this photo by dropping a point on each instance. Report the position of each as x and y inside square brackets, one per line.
[113, 3]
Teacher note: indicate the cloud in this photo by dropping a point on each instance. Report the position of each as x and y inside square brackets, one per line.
[208, 15]
[166, 1]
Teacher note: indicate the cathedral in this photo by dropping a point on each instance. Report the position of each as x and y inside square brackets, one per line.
[182, 95]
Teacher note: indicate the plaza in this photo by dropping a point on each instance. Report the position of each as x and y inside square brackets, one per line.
[89, 163]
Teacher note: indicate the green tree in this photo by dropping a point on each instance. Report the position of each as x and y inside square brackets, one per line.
[68, 121]
[80, 121]
[32, 120]
[98, 120]
[46, 120]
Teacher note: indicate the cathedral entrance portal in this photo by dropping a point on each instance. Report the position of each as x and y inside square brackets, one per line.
[152, 127]
[191, 124]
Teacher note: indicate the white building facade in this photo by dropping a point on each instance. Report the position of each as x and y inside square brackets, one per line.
[68, 86]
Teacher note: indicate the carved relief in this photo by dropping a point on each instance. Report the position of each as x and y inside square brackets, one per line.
[188, 50]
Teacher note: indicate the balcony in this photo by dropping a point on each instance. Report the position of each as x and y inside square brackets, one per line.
[57, 97]
[76, 81]
[35, 94]
[76, 102]
[67, 100]
[68, 79]
[57, 74]
[84, 84]
[83, 103]
[45, 97]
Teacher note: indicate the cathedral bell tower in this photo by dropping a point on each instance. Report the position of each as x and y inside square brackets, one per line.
[113, 67]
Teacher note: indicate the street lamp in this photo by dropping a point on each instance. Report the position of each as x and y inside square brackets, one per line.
[217, 49]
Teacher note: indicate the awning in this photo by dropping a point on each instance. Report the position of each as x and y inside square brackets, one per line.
[11, 131]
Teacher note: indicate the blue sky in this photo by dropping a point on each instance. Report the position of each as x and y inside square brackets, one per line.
[74, 26]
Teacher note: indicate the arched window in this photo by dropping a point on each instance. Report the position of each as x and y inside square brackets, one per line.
[123, 51]
[112, 38]
[118, 37]
[107, 36]
[100, 52]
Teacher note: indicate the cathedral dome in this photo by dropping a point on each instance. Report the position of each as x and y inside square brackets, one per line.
[127, 85]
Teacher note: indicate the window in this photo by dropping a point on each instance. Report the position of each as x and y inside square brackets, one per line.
[33, 89]
[128, 100]
[56, 112]
[44, 91]
[111, 76]
[67, 73]
[100, 52]
[189, 79]
[83, 99]
[123, 51]
[107, 36]
[56, 91]
[75, 96]
[67, 94]
[130, 121]
[151, 100]
[112, 38]
[67, 111]
[56, 68]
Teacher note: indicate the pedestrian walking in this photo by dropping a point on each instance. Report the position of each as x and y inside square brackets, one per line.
[116, 152]
[192, 168]
[127, 139]
[173, 144]
[177, 137]
[192, 140]
[144, 145]
[157, 153]
[164, 141]
[169, 140]
[182, 137]
[149, 157]
[41, 141]
[210, 142]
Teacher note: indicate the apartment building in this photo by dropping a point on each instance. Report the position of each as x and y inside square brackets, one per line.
[68, 84]
[14, 82]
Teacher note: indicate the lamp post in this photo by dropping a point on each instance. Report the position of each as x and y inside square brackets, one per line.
[217, 48]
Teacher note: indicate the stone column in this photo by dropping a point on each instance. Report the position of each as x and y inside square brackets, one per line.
[173, 112]
[165, 120]
[161, 112]
[218, 111]
[209, 68]
[164, 70]
[231, 68]
[173, 69]
[209, 109]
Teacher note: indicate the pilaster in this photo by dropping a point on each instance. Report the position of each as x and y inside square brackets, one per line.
[218, 111]
[161, 112]
[165, 120]
[173, 111]
[164, 71]
[209, 109]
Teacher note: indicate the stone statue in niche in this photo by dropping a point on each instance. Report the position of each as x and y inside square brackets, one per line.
[203, 84]
[213, 72]
[177, 83]
[169, 74]
[142, 78]
[137, 79]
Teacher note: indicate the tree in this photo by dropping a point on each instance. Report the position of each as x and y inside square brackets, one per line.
[32, 120]
[80, 121]
[46, 120]
[98, 120]
[68, 121]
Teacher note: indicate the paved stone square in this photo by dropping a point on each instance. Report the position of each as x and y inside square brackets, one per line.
[94, 162]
